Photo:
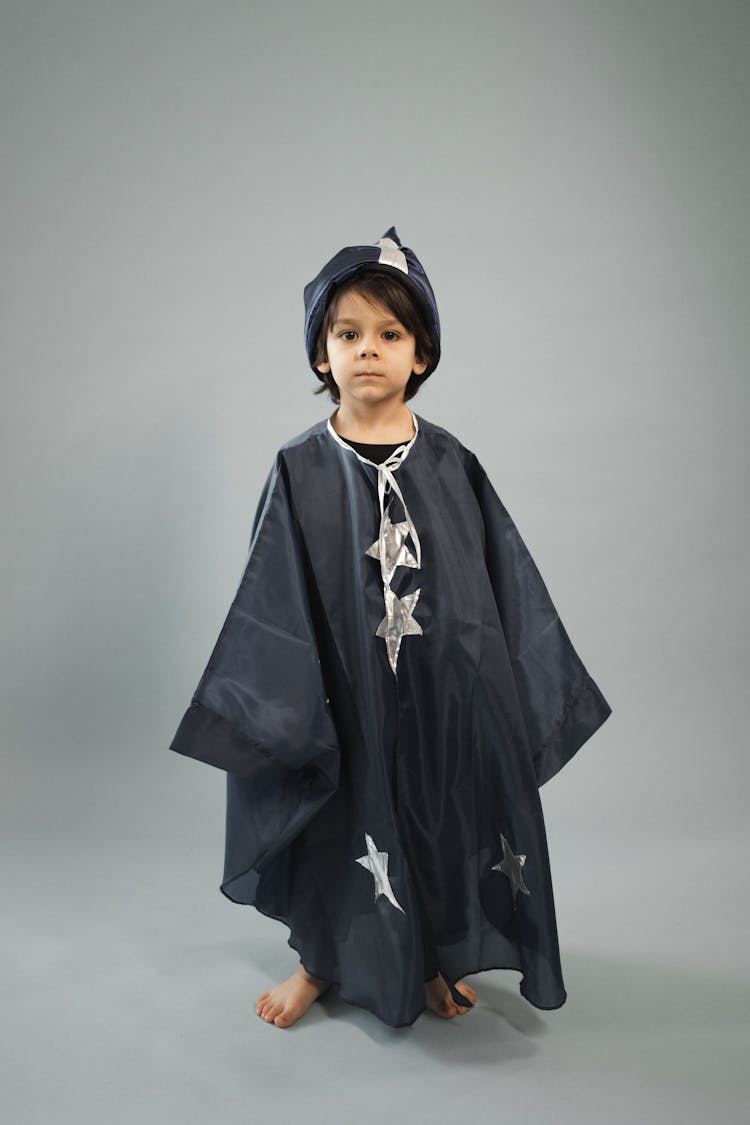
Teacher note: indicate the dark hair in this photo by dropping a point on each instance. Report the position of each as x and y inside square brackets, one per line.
[379, 283]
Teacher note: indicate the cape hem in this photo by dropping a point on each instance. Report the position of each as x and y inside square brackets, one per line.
[365, 1007]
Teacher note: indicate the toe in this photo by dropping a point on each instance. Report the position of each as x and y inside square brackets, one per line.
[467, 991]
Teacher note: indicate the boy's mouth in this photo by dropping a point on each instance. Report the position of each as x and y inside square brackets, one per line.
[364, 374]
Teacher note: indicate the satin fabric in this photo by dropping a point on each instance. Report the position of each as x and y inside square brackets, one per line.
[324, 744]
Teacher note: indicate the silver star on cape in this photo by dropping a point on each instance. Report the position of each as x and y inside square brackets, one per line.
[511, 866]
[377, 864]
[398, 622]
[396, 551]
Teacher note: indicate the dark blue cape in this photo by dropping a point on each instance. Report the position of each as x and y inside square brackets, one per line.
[384, 817]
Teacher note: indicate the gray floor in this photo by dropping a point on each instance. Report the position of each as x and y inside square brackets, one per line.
[133, 1002]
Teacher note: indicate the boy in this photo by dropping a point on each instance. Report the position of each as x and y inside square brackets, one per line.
[391, 686]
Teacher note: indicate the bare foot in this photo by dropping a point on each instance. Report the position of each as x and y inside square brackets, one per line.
[440, 999]
[288, 1001]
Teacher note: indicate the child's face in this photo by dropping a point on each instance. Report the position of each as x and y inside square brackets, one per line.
[371, 355]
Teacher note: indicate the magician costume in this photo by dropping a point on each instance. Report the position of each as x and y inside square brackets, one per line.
[390, 688]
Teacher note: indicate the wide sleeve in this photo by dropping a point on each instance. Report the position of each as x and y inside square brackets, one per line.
[260, 709]
[561, 704]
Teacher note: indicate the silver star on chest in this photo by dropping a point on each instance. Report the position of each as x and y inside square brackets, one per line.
[398, 622]
[396, 551]
[511, 866]
[377, 864]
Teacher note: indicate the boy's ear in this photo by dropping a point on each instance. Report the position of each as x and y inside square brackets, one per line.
[419, 366]
[324, 367]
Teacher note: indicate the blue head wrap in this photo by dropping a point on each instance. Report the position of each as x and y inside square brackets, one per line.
[387, 251]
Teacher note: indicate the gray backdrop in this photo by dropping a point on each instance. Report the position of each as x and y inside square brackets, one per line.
[574, 176]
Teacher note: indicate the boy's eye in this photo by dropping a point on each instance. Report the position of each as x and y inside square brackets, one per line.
[349, 334]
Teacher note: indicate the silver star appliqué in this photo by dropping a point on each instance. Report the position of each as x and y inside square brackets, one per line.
[396, 551]
[511, 866]
[377, 864]
[398, 622]
[391, 254]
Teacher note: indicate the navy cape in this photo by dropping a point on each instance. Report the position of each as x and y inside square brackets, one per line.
[390, 816]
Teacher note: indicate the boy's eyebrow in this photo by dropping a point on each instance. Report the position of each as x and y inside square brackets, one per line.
[349, 320]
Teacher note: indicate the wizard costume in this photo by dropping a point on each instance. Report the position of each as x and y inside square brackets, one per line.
[390, 688]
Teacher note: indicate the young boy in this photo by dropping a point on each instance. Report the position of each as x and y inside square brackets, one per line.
[391, 686]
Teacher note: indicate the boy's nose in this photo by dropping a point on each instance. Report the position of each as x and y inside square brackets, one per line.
[368, 347]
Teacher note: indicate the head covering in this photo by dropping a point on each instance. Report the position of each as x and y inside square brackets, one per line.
[387, 251]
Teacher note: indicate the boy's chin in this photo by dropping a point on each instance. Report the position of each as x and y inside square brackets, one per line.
[373, 395]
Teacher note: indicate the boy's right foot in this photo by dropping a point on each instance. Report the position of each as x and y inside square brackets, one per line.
[288, 1001]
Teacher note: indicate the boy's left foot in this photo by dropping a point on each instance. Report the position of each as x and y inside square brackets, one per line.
[440, 999]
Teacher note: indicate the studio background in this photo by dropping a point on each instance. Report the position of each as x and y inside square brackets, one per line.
[574, 176]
